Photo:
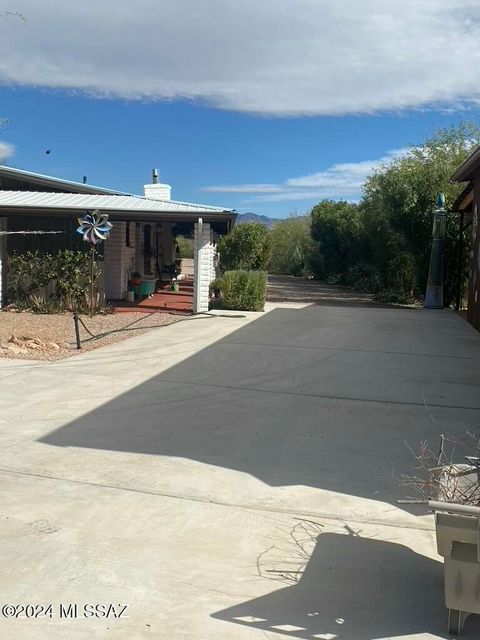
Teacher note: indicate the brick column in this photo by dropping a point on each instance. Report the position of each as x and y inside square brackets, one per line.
[3, 263]
[119, 260]
[204, 265]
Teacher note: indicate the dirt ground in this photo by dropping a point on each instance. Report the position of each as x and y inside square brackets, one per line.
[290, 289]
[34, 336]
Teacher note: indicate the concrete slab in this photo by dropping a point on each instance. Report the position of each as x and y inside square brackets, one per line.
[235, 477]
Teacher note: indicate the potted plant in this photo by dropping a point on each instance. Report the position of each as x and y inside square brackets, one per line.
[136, 279]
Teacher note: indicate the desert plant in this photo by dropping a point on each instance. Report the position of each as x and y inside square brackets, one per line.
[242, 290]
[247, 247]
[292, 246]
[184, 246]
[49, 283]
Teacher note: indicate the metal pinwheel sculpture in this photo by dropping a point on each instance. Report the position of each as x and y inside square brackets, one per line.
[94, 227]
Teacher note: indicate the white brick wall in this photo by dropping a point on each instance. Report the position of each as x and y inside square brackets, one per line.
[204, 266]
[3, 262]
[119, 260]
[158, 191]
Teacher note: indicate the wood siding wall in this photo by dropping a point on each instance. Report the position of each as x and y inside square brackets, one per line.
[473, 314]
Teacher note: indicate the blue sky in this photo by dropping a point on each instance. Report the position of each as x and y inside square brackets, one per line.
[229, 116]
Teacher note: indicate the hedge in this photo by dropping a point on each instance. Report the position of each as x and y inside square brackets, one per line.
[242, 290]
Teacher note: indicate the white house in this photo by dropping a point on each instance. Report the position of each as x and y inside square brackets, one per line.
[143, 234]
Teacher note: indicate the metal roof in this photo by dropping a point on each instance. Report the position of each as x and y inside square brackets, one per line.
[58, 183]
[118, 203]
[468, 169]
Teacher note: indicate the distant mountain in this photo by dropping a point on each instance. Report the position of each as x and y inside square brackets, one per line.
[243, 218]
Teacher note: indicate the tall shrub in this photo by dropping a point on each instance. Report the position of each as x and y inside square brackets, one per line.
[248, 247]
[384, 242]
[67, 273]
[243, 290]
[400, 198]
[292, 246]
[336, 228]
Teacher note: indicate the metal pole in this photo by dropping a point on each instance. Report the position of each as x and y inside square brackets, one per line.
[464, 509]
[77, 330]
[92, 266]
[434, 293]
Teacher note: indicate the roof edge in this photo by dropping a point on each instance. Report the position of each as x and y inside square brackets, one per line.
[41, 178]
[464, 201]
[469, 168]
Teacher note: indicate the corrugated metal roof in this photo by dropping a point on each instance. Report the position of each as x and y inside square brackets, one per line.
[81, 201]
[56, 183]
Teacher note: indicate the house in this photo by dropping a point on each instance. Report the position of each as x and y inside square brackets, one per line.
[143, 234]
[468, 207]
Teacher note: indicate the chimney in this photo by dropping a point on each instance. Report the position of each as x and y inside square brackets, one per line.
[155, 190]
[84, 179]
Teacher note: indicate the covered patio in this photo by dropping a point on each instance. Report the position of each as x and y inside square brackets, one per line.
[164, 299]
[142, 242]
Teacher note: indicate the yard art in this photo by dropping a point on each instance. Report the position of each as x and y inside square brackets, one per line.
[94, 227]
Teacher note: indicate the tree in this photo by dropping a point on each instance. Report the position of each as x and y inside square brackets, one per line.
[336, 229]
[246, 247]
[292, 246]
[185, 247]
[398, 202]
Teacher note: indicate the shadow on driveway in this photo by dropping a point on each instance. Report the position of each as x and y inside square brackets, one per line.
[323, 397]
[354, 588]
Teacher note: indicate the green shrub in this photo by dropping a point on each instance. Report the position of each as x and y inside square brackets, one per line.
[383, 244]
[248, 247]
[49, 283]
[336, 229]
[292, 247]
[185, 247]
[242, 290]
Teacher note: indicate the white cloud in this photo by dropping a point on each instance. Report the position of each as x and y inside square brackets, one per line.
[244, 188]
[273, 57]
[6, 151]
[342, 180]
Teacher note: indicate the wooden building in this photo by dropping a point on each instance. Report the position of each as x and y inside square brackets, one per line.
[468, 207]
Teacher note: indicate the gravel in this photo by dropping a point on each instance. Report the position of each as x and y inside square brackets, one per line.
[34, 336]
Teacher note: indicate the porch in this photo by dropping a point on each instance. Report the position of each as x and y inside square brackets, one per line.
[164, 299]
[142, 243]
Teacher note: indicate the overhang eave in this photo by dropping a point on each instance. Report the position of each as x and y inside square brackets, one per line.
[123, 215]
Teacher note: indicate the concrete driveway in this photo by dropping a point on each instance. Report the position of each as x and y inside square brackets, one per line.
[234, 477]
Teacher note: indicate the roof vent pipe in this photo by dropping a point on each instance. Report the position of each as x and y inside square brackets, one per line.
[154, 176]
[84, 179]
